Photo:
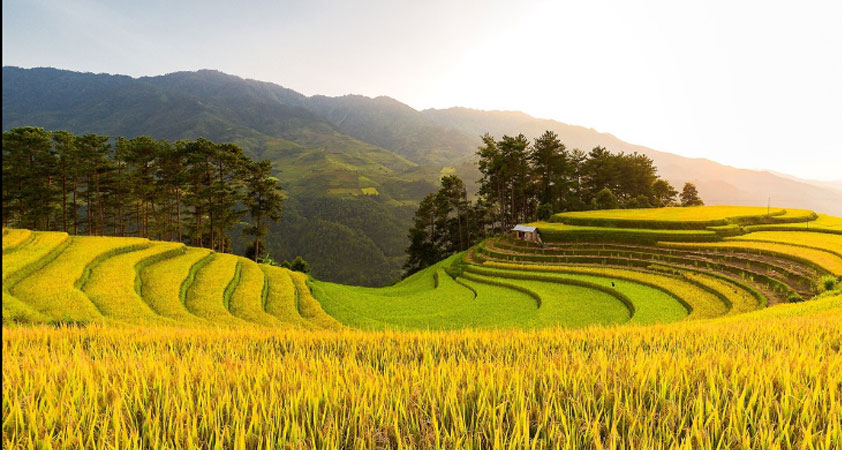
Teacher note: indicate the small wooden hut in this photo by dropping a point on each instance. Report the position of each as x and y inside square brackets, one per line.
[527, 233]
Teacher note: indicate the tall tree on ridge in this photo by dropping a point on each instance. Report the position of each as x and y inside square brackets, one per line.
[264, 200]
[551, 166]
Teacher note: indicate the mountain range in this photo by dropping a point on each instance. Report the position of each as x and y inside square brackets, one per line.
[353, 166]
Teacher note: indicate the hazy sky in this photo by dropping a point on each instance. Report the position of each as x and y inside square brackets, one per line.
[750, 84]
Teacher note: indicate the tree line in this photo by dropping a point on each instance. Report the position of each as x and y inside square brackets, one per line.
[523, 182]
[192, 191]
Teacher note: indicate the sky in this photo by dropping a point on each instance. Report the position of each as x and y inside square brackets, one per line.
[752, 84]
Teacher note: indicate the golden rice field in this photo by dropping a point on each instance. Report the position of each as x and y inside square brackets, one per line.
[763, 380]
[687, 214]
[824, 259]
[820, 241]
[611, 339]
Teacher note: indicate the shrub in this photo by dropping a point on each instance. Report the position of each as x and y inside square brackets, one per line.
[605, 199]
[794, 298]
[544, 212]
[828, 283]
[297, 265]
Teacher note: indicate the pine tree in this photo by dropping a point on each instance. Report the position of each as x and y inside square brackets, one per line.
[264, 200]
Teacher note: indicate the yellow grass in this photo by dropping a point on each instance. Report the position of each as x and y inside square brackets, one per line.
[741, 300]
[821, 241]
[41, 246]
[112, 288]
[827, 222]
[54, 291]
[247, 298]
[14, 237]
[161, 285]
[206, 296]
[18, 264]
[826, 260]
[763, 380]
[310, 308]
[678, 214]
[704, 304]
[281, 296]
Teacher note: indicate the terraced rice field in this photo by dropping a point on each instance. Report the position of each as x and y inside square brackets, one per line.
[52, 277]
[651, 304]
[698, 214]
[819, 241]
[502, 283]
[113, 285]
[615, 341]
[821, 259]
[14, 238]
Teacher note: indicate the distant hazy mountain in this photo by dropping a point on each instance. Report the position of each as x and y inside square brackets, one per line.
[329, 151]
[390, 124]
[717, 183]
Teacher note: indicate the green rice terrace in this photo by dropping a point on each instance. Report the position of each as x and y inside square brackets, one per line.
[590, 268]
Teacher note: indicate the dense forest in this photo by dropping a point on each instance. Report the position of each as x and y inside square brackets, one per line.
[188, 191]
[211, 195]
[523, 182]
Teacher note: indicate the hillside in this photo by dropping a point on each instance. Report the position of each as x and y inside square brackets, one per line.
[390, 124]
[139, 324]
[642, 266]
[605, 267]
[56, 278]
[359, 156]
[310, 155]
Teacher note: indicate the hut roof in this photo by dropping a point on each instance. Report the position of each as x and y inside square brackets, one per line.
[525, 228]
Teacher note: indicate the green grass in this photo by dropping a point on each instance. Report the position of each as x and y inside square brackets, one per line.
[429, 299]
[475, 301]
[652, 305]
[564, 305]
[702, 304]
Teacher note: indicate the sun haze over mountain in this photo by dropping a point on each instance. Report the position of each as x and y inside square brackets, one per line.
[748, 84]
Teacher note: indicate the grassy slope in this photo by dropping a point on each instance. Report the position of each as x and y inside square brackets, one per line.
[113, 289]
[137, 281]
[651, 305]
[163, 283]
[54, 290]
